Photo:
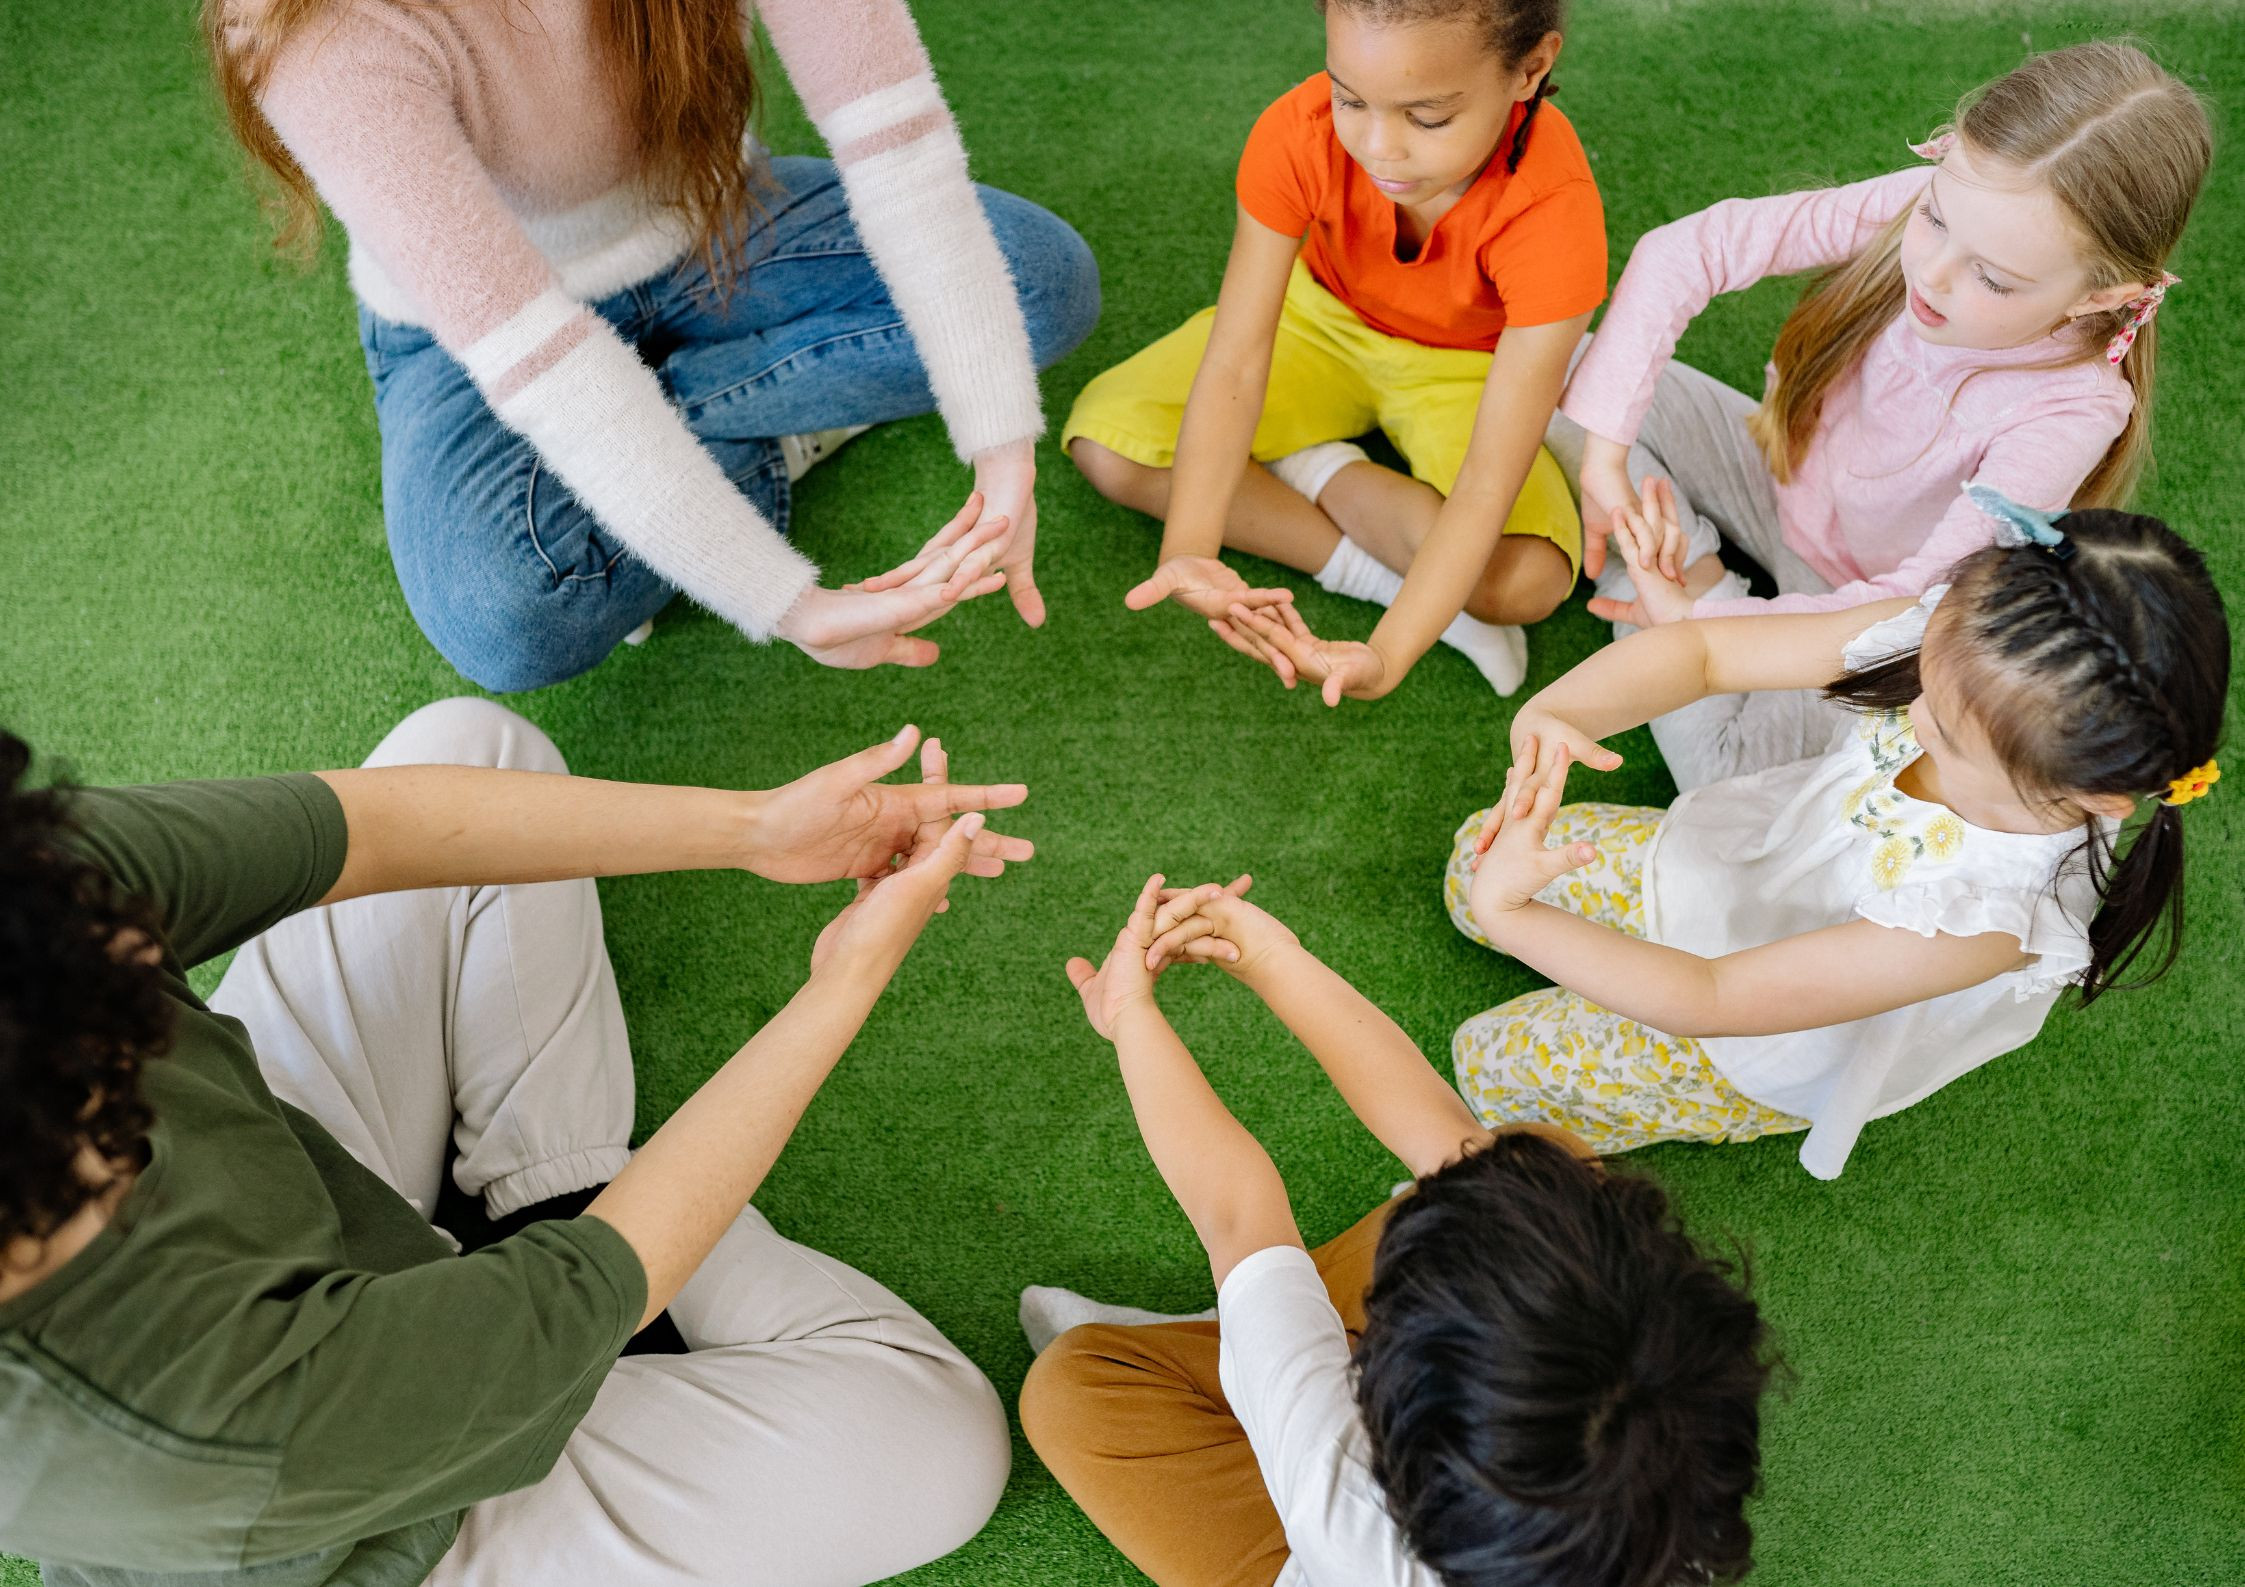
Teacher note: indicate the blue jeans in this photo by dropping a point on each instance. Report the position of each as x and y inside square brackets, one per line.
[513, 581]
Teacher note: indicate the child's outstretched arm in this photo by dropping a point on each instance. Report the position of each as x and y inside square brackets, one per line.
[1516, 404]
[1660, 669]
[1217, 434]
[1379, 1071]
[1825, 977]
[1517, 400]
[1221, 1176]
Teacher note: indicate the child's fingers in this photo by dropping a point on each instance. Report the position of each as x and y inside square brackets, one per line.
[1613, 611]
[1525, 750]
[1177, 904]
[935, 762]
[1171, 943]
[1142, 912]
[1594, 532]
[1279, 647]
[1264, 597]
[1239, 885]
[1569, 857]
[1211, 950]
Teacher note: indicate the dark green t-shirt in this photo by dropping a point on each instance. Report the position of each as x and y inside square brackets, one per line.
[268, 1366]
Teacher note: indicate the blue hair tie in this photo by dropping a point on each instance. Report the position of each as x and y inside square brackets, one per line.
[2021, 526]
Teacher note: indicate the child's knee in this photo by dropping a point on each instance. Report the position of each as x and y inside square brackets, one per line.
[1527, 580]
[1059, 1397]
[1118, 478]
[1457, 879]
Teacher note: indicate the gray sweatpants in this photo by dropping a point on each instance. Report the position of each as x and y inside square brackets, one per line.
[818, 1432]
[1695, 435]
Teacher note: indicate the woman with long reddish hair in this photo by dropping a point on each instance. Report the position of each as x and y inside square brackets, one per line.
[607, 332]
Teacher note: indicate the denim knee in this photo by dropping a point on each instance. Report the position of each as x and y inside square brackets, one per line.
[1054, 274]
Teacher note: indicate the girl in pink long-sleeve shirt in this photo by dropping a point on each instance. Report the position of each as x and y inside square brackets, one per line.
[1985, 321]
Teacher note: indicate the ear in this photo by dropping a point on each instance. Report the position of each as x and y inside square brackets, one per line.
[2105, 300]
[2112, 806]
[1535, 66]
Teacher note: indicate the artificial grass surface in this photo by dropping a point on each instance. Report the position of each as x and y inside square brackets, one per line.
[2016, 1322]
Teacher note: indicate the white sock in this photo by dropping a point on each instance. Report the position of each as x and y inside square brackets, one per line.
[1311, 469]
[1047, 1312]
[640, 635]
[815, 446]
[1500, 651]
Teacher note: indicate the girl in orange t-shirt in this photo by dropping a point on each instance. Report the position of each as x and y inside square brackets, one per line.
[1419, 246]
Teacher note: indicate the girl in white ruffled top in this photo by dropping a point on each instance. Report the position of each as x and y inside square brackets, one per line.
[1826, 942]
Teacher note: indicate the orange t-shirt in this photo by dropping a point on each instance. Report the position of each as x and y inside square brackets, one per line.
[1525, 247]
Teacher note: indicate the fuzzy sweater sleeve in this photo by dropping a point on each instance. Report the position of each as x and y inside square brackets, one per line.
[866, 81]
[1676, 270]
[366, 105]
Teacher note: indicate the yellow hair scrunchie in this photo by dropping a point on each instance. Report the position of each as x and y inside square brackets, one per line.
[2194, 784]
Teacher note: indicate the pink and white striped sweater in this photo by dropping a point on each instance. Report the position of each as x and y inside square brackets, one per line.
[1874, 506]
[476, 155]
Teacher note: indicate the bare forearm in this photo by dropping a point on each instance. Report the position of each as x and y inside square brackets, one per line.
[683, 1189]
[1628, 683]
[450, 826]
[1222, 1178]
[1442, 574]
[1213, 441]
[1379, 1071]
[1667, 989]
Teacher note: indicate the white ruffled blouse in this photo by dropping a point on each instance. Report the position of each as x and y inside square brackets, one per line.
[1821, 842]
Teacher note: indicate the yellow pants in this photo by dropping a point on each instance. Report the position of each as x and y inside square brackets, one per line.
[1332, 377]
[1552, 1057]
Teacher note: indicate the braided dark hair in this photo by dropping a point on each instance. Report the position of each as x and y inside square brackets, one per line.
[2103, 672]
[82, 1006]
[1510, 28]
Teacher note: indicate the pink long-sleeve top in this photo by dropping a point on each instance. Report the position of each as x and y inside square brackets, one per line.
[479, 159]
[1874, 505]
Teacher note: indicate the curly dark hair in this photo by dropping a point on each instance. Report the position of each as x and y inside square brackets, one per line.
[81, 1008]
[1562, 1389]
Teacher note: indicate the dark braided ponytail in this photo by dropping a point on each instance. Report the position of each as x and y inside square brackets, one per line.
[1511, 28]
[2100, 673]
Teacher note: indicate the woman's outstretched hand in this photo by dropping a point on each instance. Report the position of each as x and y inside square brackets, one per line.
[1005, 477]
[843, 821]
[878, 927]
[870, 623]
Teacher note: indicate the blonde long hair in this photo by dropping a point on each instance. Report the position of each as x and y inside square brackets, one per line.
[682, 68]
[2123, 146]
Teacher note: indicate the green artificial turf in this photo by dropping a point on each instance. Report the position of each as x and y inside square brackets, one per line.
[2016, 1323]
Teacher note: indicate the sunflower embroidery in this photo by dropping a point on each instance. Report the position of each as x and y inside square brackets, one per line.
[1891, 861]
[1880, 809]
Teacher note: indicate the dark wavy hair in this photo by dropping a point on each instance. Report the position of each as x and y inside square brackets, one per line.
[2102, 671]
[82, 1006]
[1562, 1389]
[1510, 29]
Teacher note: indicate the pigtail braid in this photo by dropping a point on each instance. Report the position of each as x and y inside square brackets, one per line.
[1519, 145]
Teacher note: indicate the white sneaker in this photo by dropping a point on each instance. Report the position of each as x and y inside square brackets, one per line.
[640, 635]
[812, 447]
